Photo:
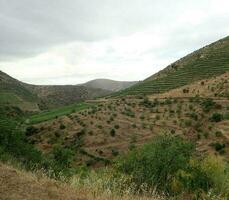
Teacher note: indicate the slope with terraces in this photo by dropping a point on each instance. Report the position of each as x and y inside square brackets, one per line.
[207, 62]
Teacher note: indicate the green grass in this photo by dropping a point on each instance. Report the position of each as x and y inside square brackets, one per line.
[49, 115]
[202, 64]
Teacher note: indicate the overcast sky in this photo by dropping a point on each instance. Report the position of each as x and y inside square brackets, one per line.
[73, 41]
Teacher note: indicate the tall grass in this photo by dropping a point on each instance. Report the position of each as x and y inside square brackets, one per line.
[108, 184]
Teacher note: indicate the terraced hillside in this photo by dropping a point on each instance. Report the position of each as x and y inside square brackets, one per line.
[207, 62]
[115, 125]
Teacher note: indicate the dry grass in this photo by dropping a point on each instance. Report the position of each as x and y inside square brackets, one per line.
[19, 185]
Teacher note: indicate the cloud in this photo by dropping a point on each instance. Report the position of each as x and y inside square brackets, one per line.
[72, 41]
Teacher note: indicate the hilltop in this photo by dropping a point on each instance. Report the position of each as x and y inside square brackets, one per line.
[111, 85]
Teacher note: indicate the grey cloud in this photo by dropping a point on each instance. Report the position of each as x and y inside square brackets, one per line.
[29, 27]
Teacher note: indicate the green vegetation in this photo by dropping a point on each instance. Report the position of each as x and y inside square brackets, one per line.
[208, 104]
[14, 144]
[157, 163]
[169, 164]
[16, 148]
[52, 114]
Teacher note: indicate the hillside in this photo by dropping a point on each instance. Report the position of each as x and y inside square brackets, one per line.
[54, 96]
[13, 93]
[34, 97]
[110, 85]
[207, 62]
[116, 125]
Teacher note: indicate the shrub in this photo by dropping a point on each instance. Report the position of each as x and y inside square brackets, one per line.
[62, 126]
[218, 134]
[31, 130]
[112, 132]
[185, 90]
[216, 117]
[208, 104]
[99, 126]
[134, 126]
[116, 126]
[219, 146]
[157, 163]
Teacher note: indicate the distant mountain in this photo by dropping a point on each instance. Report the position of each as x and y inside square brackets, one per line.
[34, 97]
[60, 95]
[207, 62]
[111, 85]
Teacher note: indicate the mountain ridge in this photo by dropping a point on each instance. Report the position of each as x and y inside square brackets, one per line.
[31, 97]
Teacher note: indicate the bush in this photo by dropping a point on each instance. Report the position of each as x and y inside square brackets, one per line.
[157, 163]
[116, 126]
[216, 117]
[208, 104]
[219, 146]
[31, 130]
[62, 126]
[112, 132]
[218, 134]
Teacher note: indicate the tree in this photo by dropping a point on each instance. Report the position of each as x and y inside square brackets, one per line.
[157, 163]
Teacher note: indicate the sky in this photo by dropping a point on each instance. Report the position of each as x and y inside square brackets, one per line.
[74, 41]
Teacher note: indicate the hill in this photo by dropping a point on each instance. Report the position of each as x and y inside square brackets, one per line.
[116, 125]
[54, 96]
[14, 93]
[207, 62]
[110, 85]
[37, 97]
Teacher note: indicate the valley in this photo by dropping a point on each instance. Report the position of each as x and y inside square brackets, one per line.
[102, 131]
